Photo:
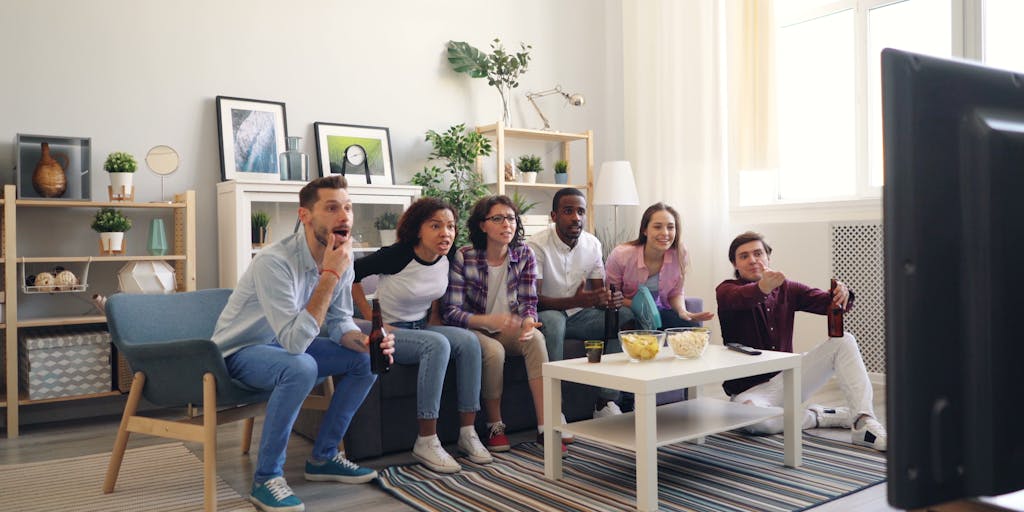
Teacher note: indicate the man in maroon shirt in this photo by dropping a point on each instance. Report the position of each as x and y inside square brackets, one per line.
[757, 309]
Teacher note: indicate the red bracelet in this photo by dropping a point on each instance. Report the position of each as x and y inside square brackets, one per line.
[332, 271]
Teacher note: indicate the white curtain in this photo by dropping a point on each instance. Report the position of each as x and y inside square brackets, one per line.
[674, 124]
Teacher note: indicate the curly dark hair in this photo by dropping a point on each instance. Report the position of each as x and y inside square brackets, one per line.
[309, 194]
[418, 212]
[562, 192]
[480, 210]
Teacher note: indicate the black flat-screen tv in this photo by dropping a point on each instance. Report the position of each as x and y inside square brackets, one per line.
[954, 278]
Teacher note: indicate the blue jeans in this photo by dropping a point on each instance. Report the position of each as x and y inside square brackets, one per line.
[290, 378]
[430, 346]
[669, 319]
[588, 324]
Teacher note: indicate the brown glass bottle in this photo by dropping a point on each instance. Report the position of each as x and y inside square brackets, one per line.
[379, 362]
[611, 320]
[835, 315]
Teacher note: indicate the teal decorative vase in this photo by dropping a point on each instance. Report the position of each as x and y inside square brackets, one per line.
[157, 238]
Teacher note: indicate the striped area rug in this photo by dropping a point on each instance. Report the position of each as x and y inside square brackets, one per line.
[729, 472]
[160, 478]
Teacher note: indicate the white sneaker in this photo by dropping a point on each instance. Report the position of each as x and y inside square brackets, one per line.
[567, 438]
[831, 417]
[871, 434]
[430, 453]
[470, 444]
[609, 409]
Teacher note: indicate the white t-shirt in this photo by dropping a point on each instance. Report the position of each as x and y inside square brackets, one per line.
[497, 290]
[560, 268]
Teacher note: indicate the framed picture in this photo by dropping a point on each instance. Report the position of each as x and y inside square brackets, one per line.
[252, 135]
[355, 151]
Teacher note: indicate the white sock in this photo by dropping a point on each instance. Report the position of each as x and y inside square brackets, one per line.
[540, 429]
[465, 431]
[425, 439]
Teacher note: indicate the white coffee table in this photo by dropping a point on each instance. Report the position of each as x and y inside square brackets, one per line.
[649, 426]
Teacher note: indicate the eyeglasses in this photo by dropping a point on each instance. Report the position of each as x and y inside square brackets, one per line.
[498, 219]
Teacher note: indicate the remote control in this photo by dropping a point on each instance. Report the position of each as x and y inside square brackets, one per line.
[739, 347]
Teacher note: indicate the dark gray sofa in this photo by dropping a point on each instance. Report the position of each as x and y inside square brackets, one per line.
[386, 422]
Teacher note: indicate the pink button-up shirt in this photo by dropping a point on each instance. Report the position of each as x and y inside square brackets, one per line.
[626, 270]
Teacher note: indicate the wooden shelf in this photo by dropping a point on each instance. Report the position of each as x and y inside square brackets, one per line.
[26, 401]
[51, 203]
[82, 259]
[62, 320]
[524, 133]
[552, 186]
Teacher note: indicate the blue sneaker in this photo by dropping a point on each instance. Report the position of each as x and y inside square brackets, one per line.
[274, 495]
[338, 469]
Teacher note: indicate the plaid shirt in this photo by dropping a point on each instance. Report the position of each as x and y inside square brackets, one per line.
[467, 284]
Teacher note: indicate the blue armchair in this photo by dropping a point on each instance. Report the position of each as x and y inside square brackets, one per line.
[166, 340]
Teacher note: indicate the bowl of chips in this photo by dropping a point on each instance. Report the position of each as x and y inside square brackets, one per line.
[688, 342]
[641, 345]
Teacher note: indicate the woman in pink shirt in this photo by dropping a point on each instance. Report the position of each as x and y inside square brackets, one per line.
[657, 260]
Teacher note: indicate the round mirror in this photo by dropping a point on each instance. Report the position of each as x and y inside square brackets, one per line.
[162, 160]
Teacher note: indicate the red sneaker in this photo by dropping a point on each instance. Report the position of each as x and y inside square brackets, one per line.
[540, 441]
[497, 441]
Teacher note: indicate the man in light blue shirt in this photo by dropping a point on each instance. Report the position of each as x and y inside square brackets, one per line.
[269, 334]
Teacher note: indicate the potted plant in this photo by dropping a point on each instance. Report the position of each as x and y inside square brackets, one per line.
[457, 183]
[386, 224]
[561, 172]
[121, 167]
[260, 229]
[529, 166]
[500, 68]
[111, 225]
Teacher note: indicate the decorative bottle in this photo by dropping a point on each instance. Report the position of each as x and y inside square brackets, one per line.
[611, 320]
[835, 315]
[379, 362]
[48, 178]
[294, 164]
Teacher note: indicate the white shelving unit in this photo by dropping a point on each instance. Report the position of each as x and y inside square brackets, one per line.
[237, 200]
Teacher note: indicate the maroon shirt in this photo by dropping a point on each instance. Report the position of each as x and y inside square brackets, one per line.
[762, 321]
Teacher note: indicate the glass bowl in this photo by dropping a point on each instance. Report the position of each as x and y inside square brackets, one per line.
[688, 342]
[641, 345]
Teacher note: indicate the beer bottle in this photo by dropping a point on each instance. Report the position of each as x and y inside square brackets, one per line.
[835, 315]
[378, 360]
[611, 320]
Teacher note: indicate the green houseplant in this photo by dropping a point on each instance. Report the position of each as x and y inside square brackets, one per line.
[529, 166]
[121, 167]
[260, 228]
[561, 172]
[501, 68]
[386, 224]
[111, 225]
[457, 182]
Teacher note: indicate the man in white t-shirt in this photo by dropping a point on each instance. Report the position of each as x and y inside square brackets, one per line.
[570, 285]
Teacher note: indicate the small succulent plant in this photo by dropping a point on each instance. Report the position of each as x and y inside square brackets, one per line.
[109, 220]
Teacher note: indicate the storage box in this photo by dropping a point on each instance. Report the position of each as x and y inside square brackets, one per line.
[67, 361]
[78, 153]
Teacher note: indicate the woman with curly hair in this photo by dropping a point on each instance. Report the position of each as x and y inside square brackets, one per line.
[413, 276]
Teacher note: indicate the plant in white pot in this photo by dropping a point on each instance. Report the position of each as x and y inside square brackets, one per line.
[121, 167]
[529, 166]
[111, 225]
[386, 224]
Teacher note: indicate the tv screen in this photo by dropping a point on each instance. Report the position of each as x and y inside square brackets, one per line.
[954, 262]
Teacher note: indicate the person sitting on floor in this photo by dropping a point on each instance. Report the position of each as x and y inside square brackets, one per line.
[757, 309]
[269, 334]
[492, 291]
[413, 276]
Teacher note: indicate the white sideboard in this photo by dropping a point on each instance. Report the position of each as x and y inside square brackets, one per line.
[237, 200]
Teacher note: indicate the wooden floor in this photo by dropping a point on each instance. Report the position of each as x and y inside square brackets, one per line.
[55, 441]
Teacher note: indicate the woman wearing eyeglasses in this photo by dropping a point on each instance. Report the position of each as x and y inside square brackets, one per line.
[492, 290]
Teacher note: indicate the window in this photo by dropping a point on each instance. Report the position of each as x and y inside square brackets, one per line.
[1003, 36]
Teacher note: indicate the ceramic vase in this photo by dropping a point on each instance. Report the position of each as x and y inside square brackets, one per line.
[157, 238]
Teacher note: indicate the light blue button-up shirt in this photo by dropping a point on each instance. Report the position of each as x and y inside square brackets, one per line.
[269, 303]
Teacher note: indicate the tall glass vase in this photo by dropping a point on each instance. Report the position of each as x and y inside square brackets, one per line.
[294, 164]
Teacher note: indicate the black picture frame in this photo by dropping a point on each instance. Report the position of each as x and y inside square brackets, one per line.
[333, 138]
[251, 136]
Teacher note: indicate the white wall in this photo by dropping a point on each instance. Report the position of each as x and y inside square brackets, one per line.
[132, 74]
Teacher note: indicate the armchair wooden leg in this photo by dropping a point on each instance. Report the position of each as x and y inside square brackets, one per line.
[247, 434]
[210, 442]
[121, 443]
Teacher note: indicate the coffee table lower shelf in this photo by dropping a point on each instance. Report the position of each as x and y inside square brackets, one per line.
[680, 421]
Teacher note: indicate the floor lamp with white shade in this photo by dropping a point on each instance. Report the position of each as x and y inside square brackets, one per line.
[616, 187]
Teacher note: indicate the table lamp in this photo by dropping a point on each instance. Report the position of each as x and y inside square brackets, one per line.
[575, 99]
